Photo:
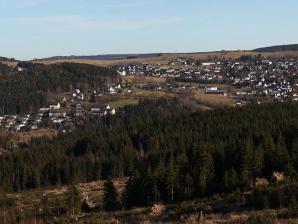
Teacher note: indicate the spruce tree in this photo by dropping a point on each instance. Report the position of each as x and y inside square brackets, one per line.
[73, 200]
[293, 207]
[110, 197]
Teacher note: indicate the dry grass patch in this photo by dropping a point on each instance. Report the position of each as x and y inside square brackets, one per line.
[214, 100]
[28, 200]
[119, 103]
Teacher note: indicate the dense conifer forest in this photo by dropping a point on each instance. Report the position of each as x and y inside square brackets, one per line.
[27, 89]
[289, 47]
[168, 156]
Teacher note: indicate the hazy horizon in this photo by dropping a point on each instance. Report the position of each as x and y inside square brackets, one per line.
[45, 28]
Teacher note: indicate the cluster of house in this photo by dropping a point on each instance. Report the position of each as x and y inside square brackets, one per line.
[180, 87]
[115, 89]
[154, 71]
[276, 80]
[21, 123]
[75, 104]
[108, 90]
[60, 116]
[54, 116]
[274, 77]
[187, 69]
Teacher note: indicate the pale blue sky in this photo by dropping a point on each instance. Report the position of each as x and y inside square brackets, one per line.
[41, 28]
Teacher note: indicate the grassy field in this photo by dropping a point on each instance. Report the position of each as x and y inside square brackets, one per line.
[144, 79]
[198, 97]
[122, 102]
[136, 96]
[107, 63]
[165, 58]
[214, 100]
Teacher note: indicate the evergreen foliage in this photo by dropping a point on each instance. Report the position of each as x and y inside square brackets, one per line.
[110, 197]
[170, 157]
[73, 200]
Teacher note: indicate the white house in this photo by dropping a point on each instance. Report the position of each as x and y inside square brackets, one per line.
[55, 107]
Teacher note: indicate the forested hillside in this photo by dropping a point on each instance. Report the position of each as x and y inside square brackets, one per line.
[27, 90]
[171, 156]
[290, 47]
[103, 57]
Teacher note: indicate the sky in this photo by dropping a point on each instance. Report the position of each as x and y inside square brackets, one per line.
[42, 28]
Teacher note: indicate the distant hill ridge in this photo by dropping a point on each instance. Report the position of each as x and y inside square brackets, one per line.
[103, 57]
[7, 59]
[276, 48]
[289, 47]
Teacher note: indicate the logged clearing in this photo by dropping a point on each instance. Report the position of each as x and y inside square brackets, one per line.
[93, 192]
[17, 138]
[25, 137]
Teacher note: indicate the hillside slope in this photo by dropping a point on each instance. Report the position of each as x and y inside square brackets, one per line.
[28, 88]
[290, 47]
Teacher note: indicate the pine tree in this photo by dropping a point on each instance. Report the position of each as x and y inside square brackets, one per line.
[258, 161]
[246, 157]
[129, 197]
[110, 197]
[171, 180]
[188, 186]
[293, 207]
[73, 200]
[230, 180]
[203, 172]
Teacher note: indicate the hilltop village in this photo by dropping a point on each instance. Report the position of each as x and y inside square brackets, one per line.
[272, 78]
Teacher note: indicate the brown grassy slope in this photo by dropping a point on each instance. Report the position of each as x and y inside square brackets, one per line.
[26, 137]
[165, 58]
[107, 63]
[9, 63]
